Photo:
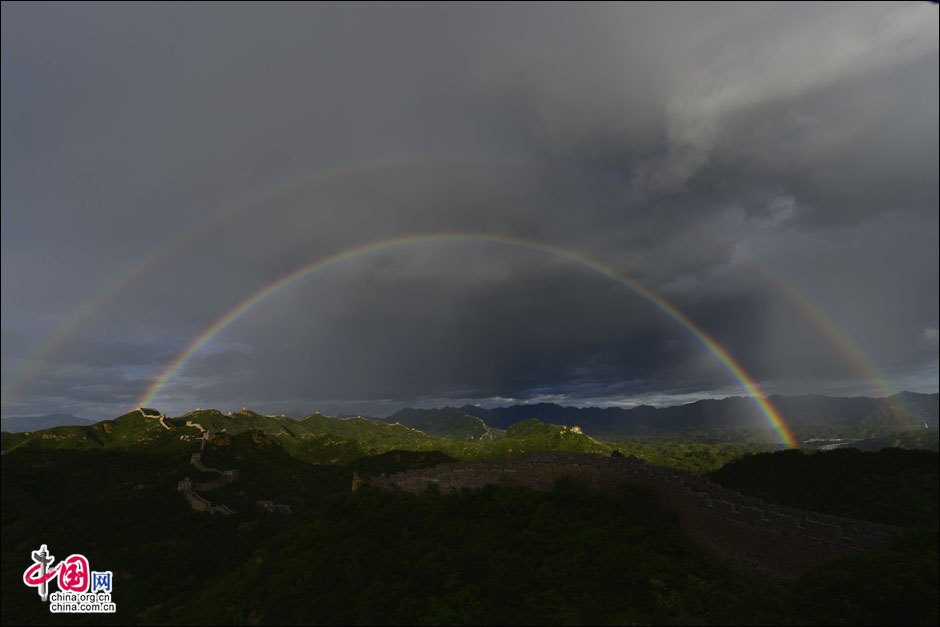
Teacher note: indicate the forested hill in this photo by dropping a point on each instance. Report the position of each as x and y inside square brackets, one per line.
[447, 422]
[316, 438]
[900, 410]
[892, 421]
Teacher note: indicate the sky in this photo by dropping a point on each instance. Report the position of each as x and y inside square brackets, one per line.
[768, 171]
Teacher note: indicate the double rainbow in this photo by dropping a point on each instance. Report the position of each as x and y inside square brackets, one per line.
[30, 368]
[772, 416]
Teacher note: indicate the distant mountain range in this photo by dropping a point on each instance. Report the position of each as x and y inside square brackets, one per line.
[35, 423]
[809, 416]
[899, 410]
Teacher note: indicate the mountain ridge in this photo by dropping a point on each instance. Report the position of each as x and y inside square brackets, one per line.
[16, 424]
[819, 420]
[902, 409]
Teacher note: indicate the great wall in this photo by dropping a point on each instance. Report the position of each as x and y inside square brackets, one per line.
[188, 488]
[156, 414]
[779, 541]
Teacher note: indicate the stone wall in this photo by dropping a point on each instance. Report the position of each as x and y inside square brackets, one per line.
[224, 479]
[187, 487]
[777, 540]
[158, 415]
[202, 504]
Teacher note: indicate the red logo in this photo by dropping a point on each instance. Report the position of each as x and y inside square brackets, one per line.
[73, 574]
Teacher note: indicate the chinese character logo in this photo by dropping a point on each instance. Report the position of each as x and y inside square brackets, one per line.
[42, 561]
[73, 574]
[101, 581]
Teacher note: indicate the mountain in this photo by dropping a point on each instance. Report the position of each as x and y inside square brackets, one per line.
[806, 414]
[448, 423]
[35, 423]
[316, 438]
[123, 432]
[592, 419]
[500, 555]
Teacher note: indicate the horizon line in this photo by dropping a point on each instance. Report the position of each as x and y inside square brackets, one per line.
[513, 404]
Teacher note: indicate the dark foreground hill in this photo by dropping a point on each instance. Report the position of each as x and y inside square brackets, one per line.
[491, 556]
[892, 486]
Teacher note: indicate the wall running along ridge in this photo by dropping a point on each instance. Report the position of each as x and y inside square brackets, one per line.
[188, 488]
[162, 418]
[779, 541]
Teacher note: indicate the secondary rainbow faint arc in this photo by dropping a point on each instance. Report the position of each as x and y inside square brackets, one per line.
[773, 417]
[107, 293]
[849, 349]
[104, 296]
[823, 322]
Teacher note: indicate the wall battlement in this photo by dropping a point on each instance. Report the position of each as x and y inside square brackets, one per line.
[158, 415]
[188, 488]
[778, 540]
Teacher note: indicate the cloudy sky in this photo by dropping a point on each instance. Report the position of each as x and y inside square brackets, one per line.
[768, 170]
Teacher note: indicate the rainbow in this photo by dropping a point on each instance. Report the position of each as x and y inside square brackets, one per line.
[850, 350]
[109, 292]
[824, 324]
[771, 414]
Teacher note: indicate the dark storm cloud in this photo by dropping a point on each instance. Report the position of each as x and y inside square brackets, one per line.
[677, 144]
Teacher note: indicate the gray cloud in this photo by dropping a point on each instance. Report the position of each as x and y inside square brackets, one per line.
[696, 149]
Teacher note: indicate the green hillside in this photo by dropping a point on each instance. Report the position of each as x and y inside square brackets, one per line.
[492, 556]
[323, 439]
[126, 431]
[447, 423]
[374, 433]
[498, 555]
[214, 420]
